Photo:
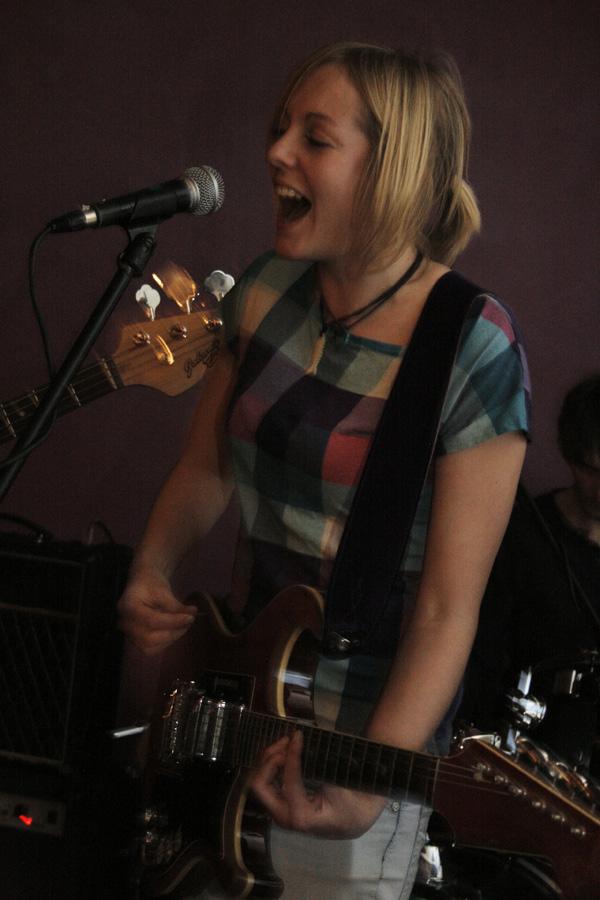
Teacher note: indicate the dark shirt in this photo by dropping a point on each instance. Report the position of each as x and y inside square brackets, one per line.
[541, 609]
[582, 556]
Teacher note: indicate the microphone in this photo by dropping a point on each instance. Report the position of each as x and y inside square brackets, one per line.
[199, 191]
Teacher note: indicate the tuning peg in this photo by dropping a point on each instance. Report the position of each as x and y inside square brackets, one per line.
[148, 299]
[177, 283]
[218, 283]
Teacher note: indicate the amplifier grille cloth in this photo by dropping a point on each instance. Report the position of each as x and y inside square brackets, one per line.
[59, 648]
[37, 649]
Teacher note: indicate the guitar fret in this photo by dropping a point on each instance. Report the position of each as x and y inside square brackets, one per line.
[356, 758]
[73, 395]
[333, 760]
[110, 373]
[325, 759]
[277, 730]
[346, 748]
[387, 768]
[319, 734]
[231, 734]
[371, 763]
[267, 732]
[310, 752]
[420, 777]
[86, 386]
[92, 382]
[19, 410]
[11, 433]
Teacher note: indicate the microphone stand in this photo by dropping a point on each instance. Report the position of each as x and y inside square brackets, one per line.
[131, 263]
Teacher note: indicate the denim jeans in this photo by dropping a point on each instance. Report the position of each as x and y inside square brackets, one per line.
[380, 865]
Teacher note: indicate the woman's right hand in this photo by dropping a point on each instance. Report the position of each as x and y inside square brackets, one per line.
[149, 613]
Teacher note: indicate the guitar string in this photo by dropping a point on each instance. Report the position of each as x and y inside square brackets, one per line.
[254, 731]
[446, 772]
[88, 379]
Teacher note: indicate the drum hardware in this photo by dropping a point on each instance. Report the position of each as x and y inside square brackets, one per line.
[525, 711]
[563, 708]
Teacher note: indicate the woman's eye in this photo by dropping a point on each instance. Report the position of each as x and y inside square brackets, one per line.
[315, 142]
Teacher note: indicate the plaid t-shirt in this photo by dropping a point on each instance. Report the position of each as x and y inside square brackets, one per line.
[299, 441]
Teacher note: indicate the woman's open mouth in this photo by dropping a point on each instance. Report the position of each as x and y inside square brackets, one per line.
[291, 204]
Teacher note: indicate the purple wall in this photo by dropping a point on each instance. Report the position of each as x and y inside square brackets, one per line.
[101, 99]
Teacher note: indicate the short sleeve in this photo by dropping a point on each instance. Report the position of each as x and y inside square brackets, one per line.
[489, 391]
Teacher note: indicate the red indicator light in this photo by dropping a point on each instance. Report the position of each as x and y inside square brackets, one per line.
[26, 820]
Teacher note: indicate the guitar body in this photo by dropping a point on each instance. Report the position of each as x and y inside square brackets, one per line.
[270, 667]
[201, 823]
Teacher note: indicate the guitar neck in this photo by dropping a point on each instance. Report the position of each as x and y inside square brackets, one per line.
[90, 383]
[340, 759]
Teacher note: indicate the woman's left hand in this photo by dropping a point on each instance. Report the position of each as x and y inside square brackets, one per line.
[329, 812]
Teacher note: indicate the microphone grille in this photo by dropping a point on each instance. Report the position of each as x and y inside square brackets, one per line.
[209, 192]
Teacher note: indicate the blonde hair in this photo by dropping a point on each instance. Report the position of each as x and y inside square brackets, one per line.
[413, 189]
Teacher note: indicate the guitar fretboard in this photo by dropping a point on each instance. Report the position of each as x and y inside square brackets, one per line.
[90, 383]
[334, 758]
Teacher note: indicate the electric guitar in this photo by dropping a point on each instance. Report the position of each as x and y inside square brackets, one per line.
[170, 354]
[255, 687]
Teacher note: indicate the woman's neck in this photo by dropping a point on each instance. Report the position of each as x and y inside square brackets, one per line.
[346, 287]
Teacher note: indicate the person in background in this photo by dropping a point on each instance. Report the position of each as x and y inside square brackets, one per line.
[367, 158]
[542, 606]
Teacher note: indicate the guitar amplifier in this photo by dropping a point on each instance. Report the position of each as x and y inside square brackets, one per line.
[60, 649]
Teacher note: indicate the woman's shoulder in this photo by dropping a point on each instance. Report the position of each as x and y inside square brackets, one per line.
[489, 391]
[491, 329]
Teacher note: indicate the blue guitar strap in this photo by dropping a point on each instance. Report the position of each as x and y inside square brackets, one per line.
[363, 605]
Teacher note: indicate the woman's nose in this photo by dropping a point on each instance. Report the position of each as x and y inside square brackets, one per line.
[281, 153]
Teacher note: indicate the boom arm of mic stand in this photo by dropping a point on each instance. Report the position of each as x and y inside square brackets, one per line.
[130, 264]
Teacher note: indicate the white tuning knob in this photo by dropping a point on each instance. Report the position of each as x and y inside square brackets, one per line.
[148, 299]
[218, 283]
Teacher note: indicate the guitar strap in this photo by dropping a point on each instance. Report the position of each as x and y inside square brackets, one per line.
[363, 608]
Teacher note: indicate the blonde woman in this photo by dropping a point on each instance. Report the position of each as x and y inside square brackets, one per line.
[367, 158]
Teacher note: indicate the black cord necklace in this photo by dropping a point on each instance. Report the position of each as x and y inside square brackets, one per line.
[349, 320]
